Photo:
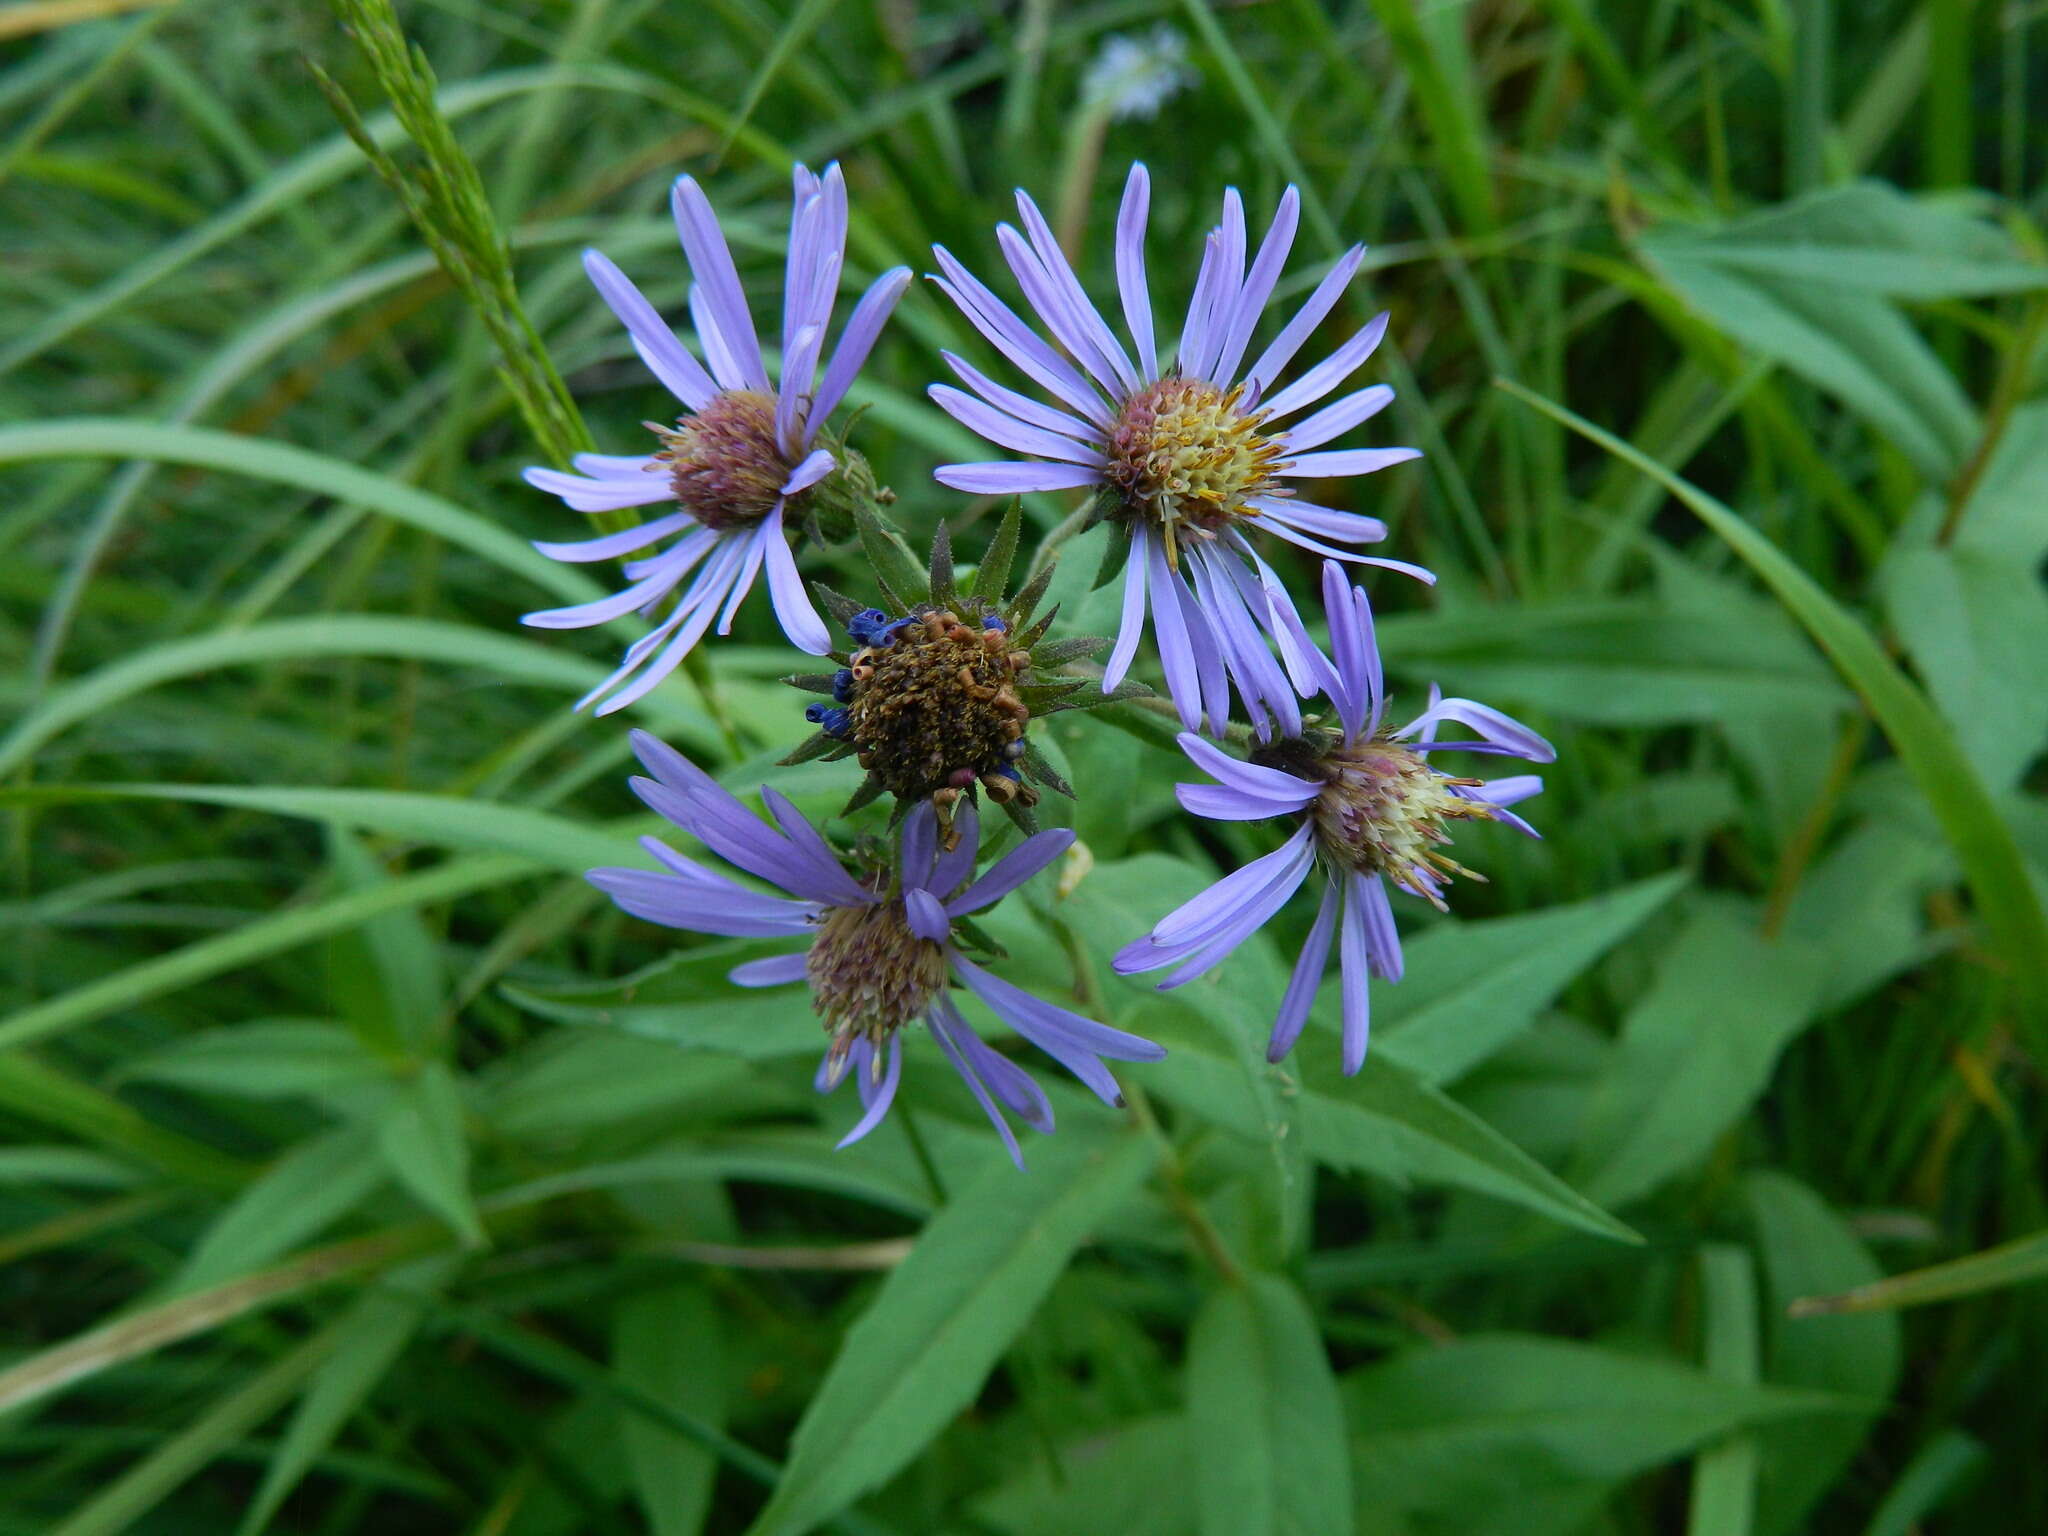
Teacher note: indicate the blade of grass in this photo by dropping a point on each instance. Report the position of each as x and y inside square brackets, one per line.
[1982, 841]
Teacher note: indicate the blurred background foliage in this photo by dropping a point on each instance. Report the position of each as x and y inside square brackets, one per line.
[349, 1184]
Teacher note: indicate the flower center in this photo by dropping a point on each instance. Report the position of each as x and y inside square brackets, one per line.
[1188, 458]
[932, 707]
[1384, 810]
[869, 973]
[724, 462]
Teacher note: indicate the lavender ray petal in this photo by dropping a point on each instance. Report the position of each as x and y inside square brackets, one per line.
[800, 269]
[1354, 958]
[876, 1097]
[1010, 1083]
[830, 881]
[1337, 419]
[816, 466]
[832, 1068]
[777, 971]
[1032, 412]
[1061, 272]
[1009, 479]
[671, 568]
[863, 328]
[1382, 938]
[613, 545]
[1280, 352]
[926, 917]
[722, 360]
[1220, 804]
[1012, 870]
[1344, 461]
[711, 263]
[608, 495]
[1244, 922]
[792, 397]
[613, 466]
[1016, 341]
[1194, 330]
[1509, 791]
[1212, 908]
[1130, 268]
[1057, 310]
[1490, 723]
[1169, 631]
[1005, 431]
[793, 610]
[1274, 785]
[957, 863]
[920, 842]
[1306, 979]
[1131, 628]
[1020, 1008]
[659, 347]
[1251, 301]
[1351, 527]
[670, 902]
[743, 583]
[1330, 372]
[944, 1019]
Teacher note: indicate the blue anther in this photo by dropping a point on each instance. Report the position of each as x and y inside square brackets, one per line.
[831, 721]
[842, 685]
[994, 621]
[871, 626]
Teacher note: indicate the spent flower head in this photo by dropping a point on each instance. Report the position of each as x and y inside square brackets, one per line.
[1189, 458]
[883, 941]
[747, 466]
[1134, 74]
[1370, 809]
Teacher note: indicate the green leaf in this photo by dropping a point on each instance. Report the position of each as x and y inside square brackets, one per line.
[1725, 1473]
[1638, 661]
[1499, 1432]
[1695, 1053]
[1807, 1248]
[444, 644]
[923, 1347]
[896, 570]
[384, 976]
[1755, 278]
[1265, 1422]
[1975, 623]
[1133, 1479]
[685, 999]
[421, 1138]
[581, 1080]
[298, 1197]
[993, 574]
[670, 1344]
[1471, 987]
[269, 1059]
[255, 941]
[369, 1338]
[2007, 901]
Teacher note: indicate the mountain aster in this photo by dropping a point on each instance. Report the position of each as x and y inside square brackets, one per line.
[881, 948]
[1188, 459]
[743, 466]
[1370, 807]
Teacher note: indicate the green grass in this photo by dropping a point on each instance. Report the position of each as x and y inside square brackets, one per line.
[347, 1183]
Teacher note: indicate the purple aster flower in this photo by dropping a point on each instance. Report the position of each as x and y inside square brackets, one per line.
[1370, 807]
[1190, 459]
[880, 950]
[740, 465]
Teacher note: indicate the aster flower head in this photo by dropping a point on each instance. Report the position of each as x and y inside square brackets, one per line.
[1134, 74]
[745, 467]
[1370, 809]
[936, 699]
[1190, 458]
[883, 942]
